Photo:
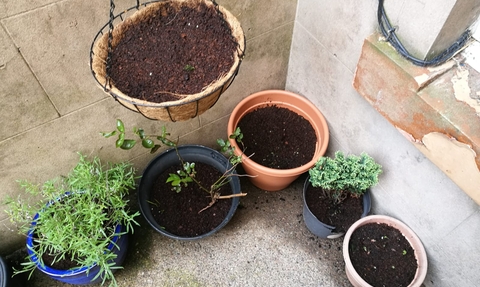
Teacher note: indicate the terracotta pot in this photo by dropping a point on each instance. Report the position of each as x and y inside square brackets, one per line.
[412, 238]
[321, 229]
[277, 179]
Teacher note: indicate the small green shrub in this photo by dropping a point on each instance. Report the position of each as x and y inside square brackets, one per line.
[345, 175]
[77, 214]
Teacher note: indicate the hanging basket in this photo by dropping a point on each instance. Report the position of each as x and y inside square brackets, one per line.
[186, 106]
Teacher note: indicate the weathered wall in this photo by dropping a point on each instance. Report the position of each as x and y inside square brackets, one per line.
[52, 108]
[327, 43]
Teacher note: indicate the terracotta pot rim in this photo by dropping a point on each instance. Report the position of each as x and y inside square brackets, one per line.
[319, 150]
[412, 238]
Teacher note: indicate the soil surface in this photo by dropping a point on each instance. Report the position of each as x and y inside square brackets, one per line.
[277, 137]
[382, 256]
[178, 212]
[63, 264]
[341, 216]
[174, 52]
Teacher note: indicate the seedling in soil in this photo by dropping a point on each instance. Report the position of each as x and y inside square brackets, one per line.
[188, 68]
[185, 175]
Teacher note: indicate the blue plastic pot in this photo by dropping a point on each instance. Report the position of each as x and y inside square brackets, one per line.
[189, 153]
[78, 276]
[321, 229]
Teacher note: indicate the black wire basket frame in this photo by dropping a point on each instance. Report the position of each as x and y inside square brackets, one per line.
[189, 106]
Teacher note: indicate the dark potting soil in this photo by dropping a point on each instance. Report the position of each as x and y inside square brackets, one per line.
[382, 256]
[178, 212]
[277, 137]
[341, 216]
[64, 264]
[175, 52]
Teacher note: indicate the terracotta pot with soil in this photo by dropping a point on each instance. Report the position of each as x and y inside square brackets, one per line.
[328, 220]
[183, 215]
[169, 60]
[283, 136]
[382, 251]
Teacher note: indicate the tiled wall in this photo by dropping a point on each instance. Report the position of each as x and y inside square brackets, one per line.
[327, 41]
[52, 108]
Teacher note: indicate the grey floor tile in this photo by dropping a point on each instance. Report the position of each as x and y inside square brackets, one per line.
[24, 103]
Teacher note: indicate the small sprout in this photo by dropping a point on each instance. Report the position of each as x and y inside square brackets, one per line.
[188, 68]
[364, 248]
[384, 237]
[227, 148]
[404, 252]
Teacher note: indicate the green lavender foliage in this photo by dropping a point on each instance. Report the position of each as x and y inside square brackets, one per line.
[78, 214]
[345, 174]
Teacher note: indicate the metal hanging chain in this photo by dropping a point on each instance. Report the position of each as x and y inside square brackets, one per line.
[109, 46]
[389, 33]
[109, 43]
[240, 52]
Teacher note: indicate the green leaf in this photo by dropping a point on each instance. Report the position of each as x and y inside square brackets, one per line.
[155, 148]
[172, 177]
[128, 144]
[148, 143]
[120, 126]
[107, 135]
[164, 132]
[166, 141]
[140, 133]
[120, 140]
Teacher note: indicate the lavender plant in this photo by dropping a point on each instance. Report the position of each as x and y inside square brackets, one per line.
[77, 215]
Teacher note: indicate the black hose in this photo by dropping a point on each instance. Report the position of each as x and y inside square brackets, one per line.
[389, 33]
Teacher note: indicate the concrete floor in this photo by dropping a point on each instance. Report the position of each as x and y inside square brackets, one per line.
[265, 244]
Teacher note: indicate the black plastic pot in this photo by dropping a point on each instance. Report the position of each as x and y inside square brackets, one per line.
[321, 229]
[189, 153]
[6, 279]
